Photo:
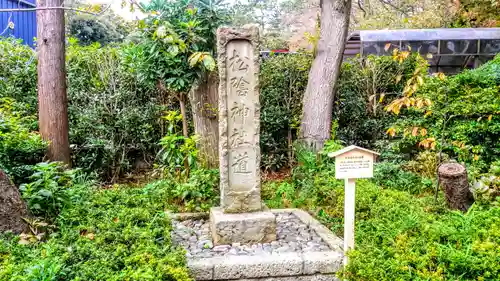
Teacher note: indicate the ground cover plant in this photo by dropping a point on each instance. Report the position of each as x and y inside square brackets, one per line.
[110, 234]
[401, 232]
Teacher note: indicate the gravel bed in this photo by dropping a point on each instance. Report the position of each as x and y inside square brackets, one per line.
[292, 236]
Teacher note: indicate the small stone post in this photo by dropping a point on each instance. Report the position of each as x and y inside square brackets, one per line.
[241, 217]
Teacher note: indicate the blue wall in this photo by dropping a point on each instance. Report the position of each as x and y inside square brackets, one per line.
[24, 22]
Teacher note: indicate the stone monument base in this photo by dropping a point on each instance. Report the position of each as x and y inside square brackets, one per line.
[256, 227]
[304, 250]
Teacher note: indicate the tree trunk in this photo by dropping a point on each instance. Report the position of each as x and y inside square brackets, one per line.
[182, 104]
[453, 179]
[204, 98]
[318, 98]
[52, 99]
[12, 207]
[185, 132]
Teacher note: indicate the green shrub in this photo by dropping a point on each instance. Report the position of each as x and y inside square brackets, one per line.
[486, 186]
[283, 80]
[18, 73]
[90, 29]
[394, 176]
[20, 147]
[398, 236]
[47, 192]
[365, 86]
[114, 120]
[463, 119]
[197, 193]
[113, 234]
[179, 153]
[404, 238]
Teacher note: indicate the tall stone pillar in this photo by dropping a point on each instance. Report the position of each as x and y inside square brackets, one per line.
[241, 217]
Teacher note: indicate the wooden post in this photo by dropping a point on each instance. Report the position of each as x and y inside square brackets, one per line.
[352, 163]
[349, 209]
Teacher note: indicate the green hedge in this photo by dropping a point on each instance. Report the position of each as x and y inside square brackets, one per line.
[283, 81]
[366, 85]
[360, 115]
[114, 120]
[464, 117]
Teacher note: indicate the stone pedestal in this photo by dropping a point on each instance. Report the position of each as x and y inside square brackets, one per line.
[241, 218]
[252, 228]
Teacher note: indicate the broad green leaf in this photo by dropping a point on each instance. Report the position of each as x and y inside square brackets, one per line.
[209, 62]
[173, 50]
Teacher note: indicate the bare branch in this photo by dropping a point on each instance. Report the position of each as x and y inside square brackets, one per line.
[389, 3]
[361, 8]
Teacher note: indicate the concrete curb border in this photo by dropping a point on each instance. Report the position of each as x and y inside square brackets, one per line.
[311, 266]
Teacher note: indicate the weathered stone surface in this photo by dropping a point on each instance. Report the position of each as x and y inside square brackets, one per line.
[322, 262]
[265, 261]
[239, 119]
[256, 227]
[316, 277]
[12, 207]
[292, 236]
[332, 240]
[289, 264]
[201, 269]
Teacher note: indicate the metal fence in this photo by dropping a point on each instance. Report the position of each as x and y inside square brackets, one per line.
[22, 24]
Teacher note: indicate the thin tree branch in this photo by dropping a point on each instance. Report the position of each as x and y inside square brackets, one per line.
[361, 8]
[399, 9]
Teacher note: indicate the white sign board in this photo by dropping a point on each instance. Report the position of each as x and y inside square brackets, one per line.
[354, 164]
[351, 163]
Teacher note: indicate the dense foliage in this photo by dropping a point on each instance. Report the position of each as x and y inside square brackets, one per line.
[47, 192]
[463, 120]
[20, 146]
[283, 79]
[115, 234]
[89, 29]
[398, 236]
[18, 72]
[114, 120]
[178, 154]
[365, 85]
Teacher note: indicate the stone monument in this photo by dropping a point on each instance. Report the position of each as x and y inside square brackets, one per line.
[241, 218]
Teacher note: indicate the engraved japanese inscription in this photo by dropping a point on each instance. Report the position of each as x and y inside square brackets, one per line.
[241, 111]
